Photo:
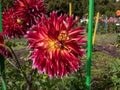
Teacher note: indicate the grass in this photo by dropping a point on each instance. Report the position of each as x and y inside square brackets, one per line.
[101, 61]
[103, 71]
[104, 39]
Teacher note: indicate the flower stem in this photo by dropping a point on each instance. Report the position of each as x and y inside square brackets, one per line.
[19, 66]
[2, 70]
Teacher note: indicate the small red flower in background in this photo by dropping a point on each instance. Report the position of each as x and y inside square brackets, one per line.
[3, 50]
[56, 44]
[30, 9]
[12, 25]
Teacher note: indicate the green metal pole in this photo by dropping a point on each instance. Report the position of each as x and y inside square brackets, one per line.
[89, 53]
[2, 60]
[0, 16]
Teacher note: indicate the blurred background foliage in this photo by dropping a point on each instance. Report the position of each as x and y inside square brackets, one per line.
[80, 7]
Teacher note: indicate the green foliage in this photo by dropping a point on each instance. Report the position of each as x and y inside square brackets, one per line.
[16, 81]
[115, 74]
[111, 27]
[101, 28]
[106, 7]
[57, 5]
[110, 78]
[80, 7]
[7, 3]
[118, 41]
[118, 38]
[105, 72]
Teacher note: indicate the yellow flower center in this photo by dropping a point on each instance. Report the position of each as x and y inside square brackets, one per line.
[52, 44]
[62, 36]
[19, 21]
[59, 43]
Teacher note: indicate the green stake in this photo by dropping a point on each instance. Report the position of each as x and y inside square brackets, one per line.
[2, 60]
[90, 29]
[0, 16]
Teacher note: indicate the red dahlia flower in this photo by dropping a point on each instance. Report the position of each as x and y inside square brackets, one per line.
[30, 9]
[56, 44]
[13, 26]
[3, 50]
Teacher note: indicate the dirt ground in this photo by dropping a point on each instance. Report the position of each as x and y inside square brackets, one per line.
[110, 49]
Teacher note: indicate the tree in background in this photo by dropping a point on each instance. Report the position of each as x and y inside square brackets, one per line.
[7, 3]
[106, 7]
[60, 5]
[80, 7]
